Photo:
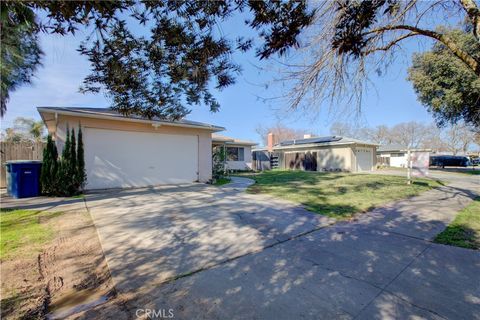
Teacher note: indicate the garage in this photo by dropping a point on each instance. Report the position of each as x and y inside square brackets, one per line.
[364, 157]
[141, 159]
[131, 151]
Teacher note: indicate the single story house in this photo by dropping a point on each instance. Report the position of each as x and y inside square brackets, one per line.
[123, 152]
[238, 152]
[395, 155]
[392, 155]
[331, 153]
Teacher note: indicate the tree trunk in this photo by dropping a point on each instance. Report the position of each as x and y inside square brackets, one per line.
[474, 14]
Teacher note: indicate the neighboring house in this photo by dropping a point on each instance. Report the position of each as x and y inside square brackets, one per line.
[392, 155]
[132, 151]
[332, 153]
[238, 153]
[396, 155]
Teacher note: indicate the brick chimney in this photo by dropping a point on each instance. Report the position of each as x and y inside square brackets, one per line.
[270, 141]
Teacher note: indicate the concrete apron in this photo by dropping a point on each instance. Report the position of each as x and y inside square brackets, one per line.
[208, 252]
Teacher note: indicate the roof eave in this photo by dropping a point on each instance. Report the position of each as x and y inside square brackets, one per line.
[107, 117]
[312, 145]
[234, 143]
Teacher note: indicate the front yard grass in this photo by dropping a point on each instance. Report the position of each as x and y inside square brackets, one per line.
[464, 231]
[23, 232]
[222, 181]
[337, 195]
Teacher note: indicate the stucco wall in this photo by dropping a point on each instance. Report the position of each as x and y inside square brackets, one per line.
[396, 161]
[204, 136]
[329, 158]
[334, 158]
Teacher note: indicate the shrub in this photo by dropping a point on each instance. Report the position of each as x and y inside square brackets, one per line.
[81, 175]
[65, 176]
[48, 174]
[218, 157]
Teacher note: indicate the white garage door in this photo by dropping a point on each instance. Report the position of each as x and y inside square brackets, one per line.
[364, 159]
[121, 159]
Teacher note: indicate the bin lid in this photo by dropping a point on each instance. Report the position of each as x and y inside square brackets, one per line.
[24, 161]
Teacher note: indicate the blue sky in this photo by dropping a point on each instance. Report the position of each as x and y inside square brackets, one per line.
[56, 84]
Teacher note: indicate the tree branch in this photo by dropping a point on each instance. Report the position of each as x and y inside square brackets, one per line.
[391, 44]
[474, 14]
[446, 40]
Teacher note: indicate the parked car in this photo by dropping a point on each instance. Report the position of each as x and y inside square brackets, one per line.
[449, 161]
[475, 161]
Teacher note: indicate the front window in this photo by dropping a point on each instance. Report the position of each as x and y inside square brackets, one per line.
[235, 154]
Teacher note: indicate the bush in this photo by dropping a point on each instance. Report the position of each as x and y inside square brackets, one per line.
[65, 176]
[218, 157]
[48, 174]
[81, 175]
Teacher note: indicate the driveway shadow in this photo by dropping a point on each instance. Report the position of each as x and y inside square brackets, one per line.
[219, 253]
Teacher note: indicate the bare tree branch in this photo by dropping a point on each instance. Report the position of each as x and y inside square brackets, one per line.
[446, 40]
[391, 44]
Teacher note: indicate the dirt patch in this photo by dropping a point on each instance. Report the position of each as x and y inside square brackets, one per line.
[23, 292]
[71, 270]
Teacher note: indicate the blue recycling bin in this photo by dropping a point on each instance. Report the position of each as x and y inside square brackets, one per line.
[23, 178]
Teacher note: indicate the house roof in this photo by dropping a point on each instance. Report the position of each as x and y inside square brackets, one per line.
[106, 113]
[391, 147]
[227, 140]
[320, 141]
[398, 148]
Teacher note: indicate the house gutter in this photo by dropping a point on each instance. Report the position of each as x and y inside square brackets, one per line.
[119, 118]
[314, 145]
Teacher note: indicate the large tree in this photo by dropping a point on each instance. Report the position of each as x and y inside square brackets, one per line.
[458, 138]
[20, 51]
[448, 87]
[351, 39]
[175, 58]
[409, 134]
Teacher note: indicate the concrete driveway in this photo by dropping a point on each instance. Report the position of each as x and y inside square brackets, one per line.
[216, 253]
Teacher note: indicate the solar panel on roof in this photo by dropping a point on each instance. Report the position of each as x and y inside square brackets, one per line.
[311, 140]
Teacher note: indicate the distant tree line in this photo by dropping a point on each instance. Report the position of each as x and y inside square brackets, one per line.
[458, 138]
[24, 129]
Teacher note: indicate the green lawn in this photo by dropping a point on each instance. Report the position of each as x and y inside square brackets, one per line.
[464, 231]
[23, 232]
[338, 195]
[221, 181]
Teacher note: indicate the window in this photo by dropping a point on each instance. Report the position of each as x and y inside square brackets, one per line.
[235, 154]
